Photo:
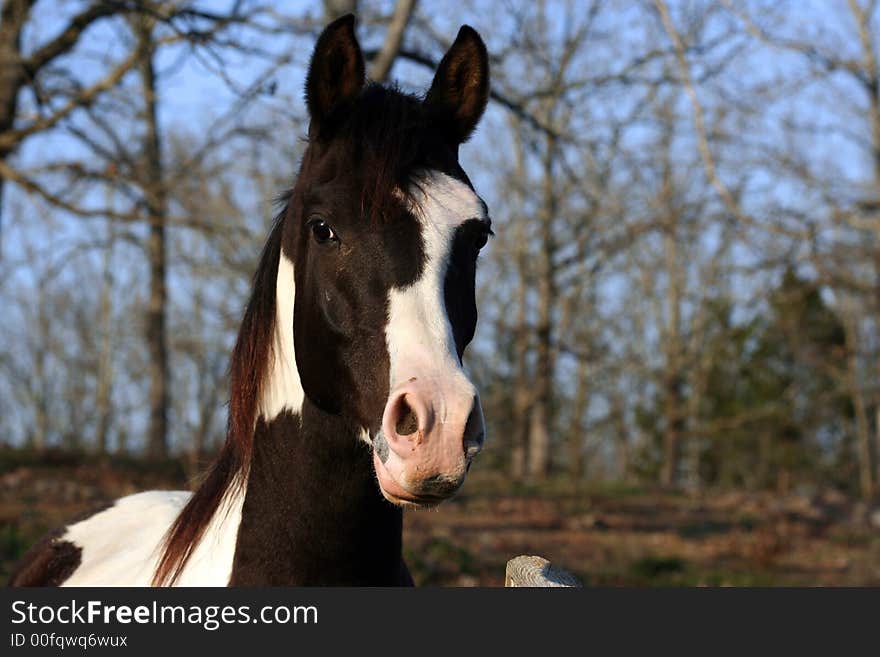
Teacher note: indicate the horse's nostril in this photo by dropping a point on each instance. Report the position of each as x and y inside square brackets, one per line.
[407, 422]
[474, 431]
[472, 447]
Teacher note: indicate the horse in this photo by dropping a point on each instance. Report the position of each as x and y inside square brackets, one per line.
[348, 400]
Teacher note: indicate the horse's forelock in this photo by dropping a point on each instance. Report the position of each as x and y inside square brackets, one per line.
[389, 136]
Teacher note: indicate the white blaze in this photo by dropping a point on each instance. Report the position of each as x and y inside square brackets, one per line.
[419, 334]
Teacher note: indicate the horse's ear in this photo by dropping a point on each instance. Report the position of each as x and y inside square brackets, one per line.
[460, 89]
[336, 74]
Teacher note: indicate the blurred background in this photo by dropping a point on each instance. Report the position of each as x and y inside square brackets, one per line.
[679, 339]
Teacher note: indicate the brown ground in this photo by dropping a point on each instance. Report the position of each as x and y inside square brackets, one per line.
[606, 536]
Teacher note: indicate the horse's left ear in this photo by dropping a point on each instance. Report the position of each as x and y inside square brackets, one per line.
[460, 89]
[336, 74]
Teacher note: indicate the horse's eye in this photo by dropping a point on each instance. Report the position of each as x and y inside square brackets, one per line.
[321, 231]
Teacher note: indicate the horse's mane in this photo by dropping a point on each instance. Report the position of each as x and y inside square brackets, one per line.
[247, 374]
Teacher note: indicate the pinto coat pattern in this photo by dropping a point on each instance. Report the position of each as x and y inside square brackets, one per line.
[348, 400]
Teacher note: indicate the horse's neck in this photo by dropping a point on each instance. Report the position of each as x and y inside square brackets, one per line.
[313, 514]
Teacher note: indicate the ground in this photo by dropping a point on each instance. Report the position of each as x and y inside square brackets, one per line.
[609, 535]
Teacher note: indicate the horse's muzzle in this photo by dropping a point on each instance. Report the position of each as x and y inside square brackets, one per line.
[431, 429]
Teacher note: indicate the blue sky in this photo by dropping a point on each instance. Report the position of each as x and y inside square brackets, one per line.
[193, 97]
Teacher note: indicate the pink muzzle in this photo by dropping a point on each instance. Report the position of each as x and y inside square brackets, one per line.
[431, 429]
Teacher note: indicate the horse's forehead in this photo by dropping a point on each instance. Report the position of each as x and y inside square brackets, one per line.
[444, 202]
[329, 164]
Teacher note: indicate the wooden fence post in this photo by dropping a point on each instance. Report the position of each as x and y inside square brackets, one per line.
[525, 571]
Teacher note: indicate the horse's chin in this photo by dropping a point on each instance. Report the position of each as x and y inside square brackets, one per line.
[400, 495]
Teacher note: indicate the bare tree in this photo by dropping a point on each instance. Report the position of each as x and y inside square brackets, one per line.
[833, 255]
[55, 97]
[156, 206]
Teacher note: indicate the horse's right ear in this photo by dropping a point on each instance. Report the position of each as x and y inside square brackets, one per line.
[460, 89]
[336, 75]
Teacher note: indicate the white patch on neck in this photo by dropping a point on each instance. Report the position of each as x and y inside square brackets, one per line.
[419, 334]
[282, 389]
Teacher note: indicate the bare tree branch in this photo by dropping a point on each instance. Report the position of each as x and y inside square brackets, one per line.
[384, 59]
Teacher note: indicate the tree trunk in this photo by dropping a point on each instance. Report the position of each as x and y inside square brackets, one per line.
[874, 104]
[39, 438]
[697, 385]
[694, 448]
[12, 76]
[539, 441]
[673, 383]
[155, 196]
[576, 432]
[621, 440]
[870, 79]
[866, 475]
[522, 389]
[384, 60]
[105, 356]
[673, 435]
[540, 425]
[673, 402]
[521, 399]
[14, 16]
[207, 395]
